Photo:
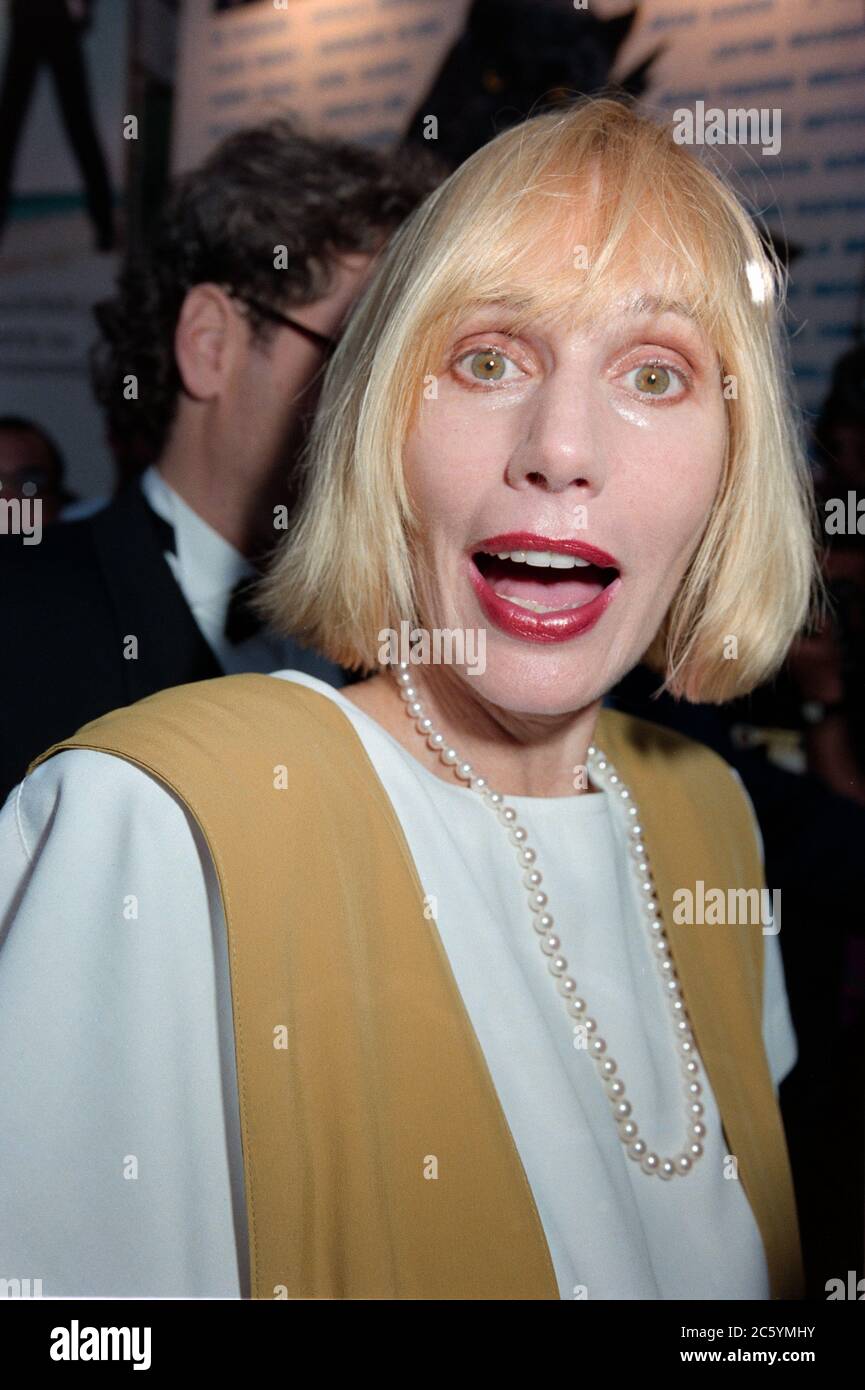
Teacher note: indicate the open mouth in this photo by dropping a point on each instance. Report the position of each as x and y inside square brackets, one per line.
[543, 581]
[542, 590]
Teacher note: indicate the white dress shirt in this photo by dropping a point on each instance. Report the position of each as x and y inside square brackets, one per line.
[120, 1162]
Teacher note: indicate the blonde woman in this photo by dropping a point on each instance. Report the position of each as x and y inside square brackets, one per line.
[382, 992]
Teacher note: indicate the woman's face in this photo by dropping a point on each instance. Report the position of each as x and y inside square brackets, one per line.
[589, 457]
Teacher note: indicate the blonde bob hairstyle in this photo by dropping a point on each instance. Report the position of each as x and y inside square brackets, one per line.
[553, 218]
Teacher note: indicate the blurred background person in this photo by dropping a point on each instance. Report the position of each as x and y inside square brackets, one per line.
[31, 465]
[208, 370]
[829, 667]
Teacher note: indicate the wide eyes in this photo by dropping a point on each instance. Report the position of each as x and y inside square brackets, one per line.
[492, 366]
[654, 379]
[488, 364]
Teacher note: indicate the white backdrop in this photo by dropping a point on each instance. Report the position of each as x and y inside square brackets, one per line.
[359, 67]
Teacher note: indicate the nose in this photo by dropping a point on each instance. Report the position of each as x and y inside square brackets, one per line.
[561, 446]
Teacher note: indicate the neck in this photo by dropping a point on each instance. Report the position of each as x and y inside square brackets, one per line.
[518, 754]
[235, 498]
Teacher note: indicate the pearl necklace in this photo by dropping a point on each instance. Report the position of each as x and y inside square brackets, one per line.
[586, 1026]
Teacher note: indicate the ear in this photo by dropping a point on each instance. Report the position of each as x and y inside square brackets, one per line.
[209, 337]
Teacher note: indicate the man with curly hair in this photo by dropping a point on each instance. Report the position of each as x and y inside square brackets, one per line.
[208, 369]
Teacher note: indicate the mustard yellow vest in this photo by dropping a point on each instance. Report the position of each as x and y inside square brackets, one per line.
[327, 940]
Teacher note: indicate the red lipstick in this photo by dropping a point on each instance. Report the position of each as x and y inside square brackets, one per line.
[560, 625]
[527, 540]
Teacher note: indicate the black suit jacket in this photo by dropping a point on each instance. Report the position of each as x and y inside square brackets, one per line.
[67, 607]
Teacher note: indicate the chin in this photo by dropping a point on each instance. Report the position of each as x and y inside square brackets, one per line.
[539, 684]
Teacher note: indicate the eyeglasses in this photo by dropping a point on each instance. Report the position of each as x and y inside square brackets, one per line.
[266, 311]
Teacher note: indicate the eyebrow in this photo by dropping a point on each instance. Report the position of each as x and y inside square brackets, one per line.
[654, 304]
[635, 305]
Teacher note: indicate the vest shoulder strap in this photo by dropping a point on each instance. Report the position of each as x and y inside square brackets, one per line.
[377, 1158]
[699, 831]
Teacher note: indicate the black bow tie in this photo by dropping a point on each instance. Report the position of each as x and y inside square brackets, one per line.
[241, 620]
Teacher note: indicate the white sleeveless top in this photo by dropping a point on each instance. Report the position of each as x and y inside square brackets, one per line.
[121, 1166]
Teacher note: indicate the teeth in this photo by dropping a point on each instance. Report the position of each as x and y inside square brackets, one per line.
[544, 559]
[536, 607]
